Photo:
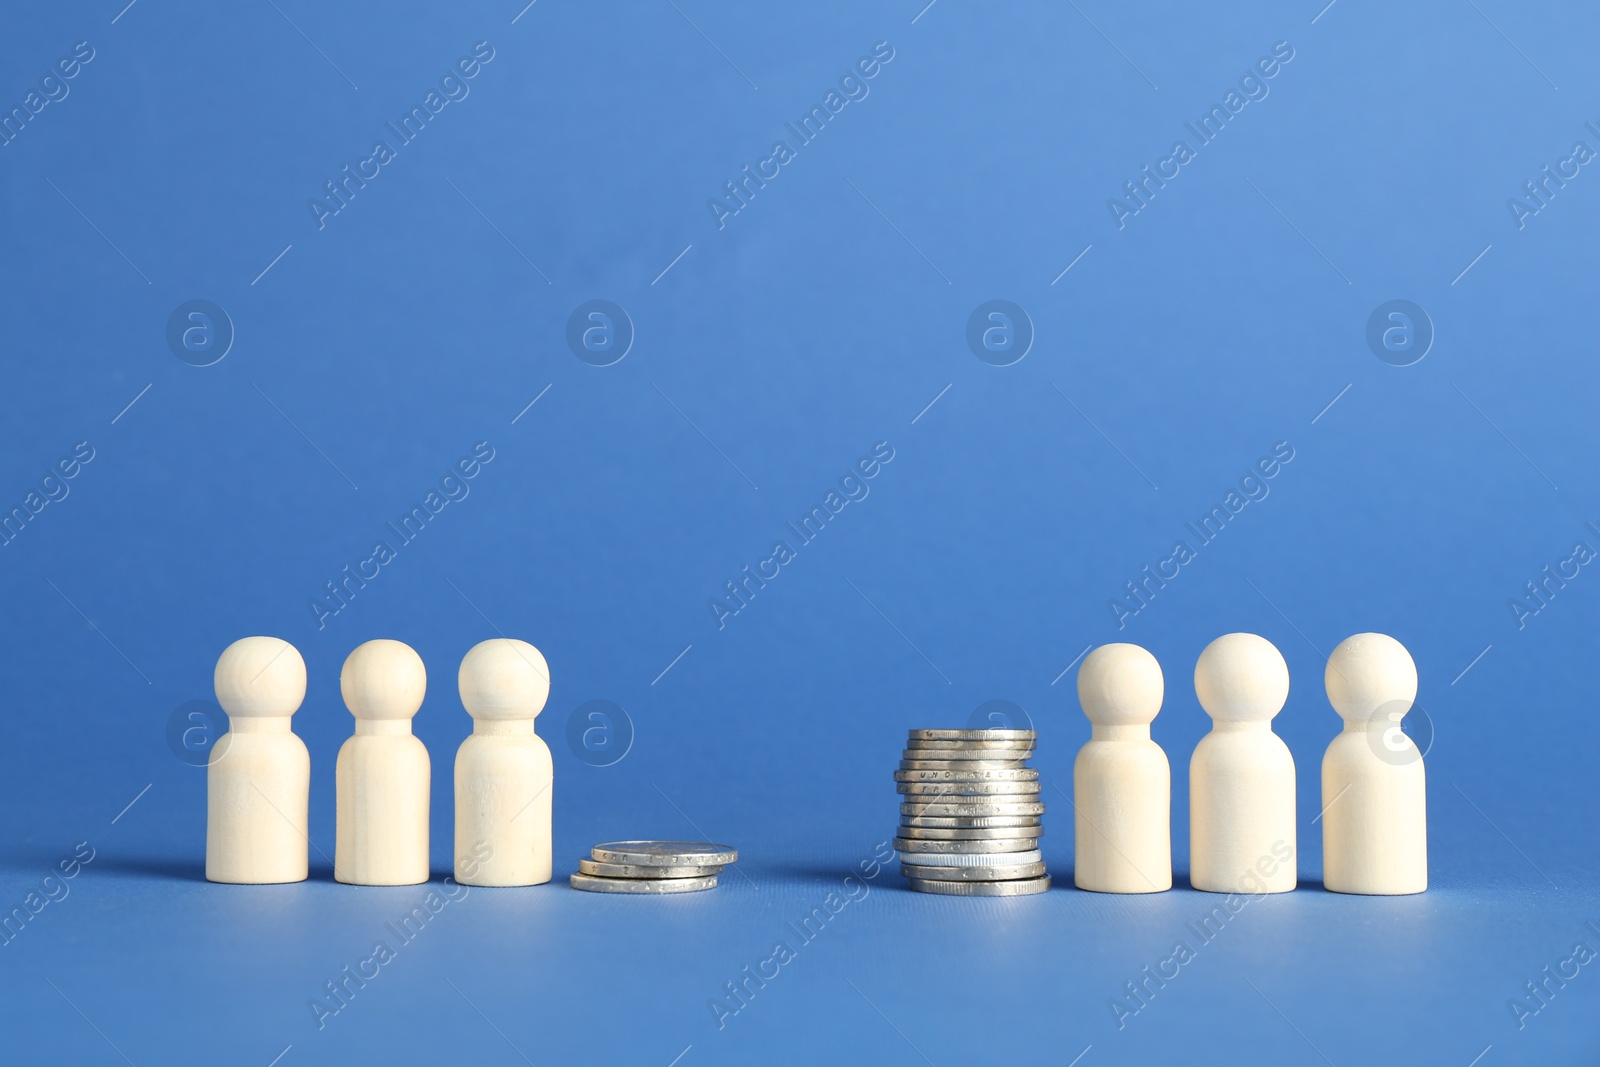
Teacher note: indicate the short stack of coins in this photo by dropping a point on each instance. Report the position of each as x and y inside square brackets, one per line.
[652, 867]
[970, 813]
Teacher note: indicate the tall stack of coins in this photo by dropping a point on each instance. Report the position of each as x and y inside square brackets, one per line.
[652, 867]
[970, 813]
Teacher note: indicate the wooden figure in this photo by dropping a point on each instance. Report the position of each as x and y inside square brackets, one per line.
[1374, 789]
[258, 779]
[1122, 783]
[1241, 778]
[383, 774]
[504, 773]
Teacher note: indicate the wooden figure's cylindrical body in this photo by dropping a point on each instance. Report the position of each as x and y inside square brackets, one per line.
[1242, 811]
[1374, 788]
[1122, 825]
[1374, 822]
[504, 779]
[383, 779]
[258, 786]
[504, 775]
[258, 778]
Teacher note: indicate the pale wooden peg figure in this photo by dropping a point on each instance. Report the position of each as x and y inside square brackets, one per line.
[258, 779]
[504, 773]
[383, 773]
[1374, 789]
[1122, 783]
[1241, 778]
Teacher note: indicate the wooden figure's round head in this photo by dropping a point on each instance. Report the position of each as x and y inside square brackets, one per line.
[260, 677]
[504, 678]
[383, 680]
[1241, 678]
[1371, 676]
[1120, 685]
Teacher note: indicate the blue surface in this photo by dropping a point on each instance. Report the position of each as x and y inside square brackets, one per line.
[374, 346]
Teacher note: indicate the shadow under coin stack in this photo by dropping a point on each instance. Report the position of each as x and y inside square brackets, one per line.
[970, 814]
[652, 867]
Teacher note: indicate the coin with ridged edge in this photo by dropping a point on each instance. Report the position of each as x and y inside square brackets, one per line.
[972, 806]
[665, 853]
[964, 833]
[964, 750]
[972, 735]
[594, 884]
[971, 742]
[969, 822]
[1001, 774]
[961, 764]
[971, 859]
[922, 755]
[970, 812]
[973, 874]
[1023, 887]
[967, 789]
[640, 870]
[918, 845]
[940, 761]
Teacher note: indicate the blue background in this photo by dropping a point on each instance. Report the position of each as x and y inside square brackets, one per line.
[1226, 316]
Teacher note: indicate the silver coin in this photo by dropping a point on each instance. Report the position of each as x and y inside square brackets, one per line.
[968, 755]
[665, 853]
[1002, 774]
[976, 787]
[968, 822]
[996, 748]
[640, 870]
[1024, 887]
[967, 833]
[967, 789]
[961, 764]
[590, 883]
[971, 859]
[971, 735]
[970, 742]
[974, 742]
[911, 846]
[973, 874]
[971, 807]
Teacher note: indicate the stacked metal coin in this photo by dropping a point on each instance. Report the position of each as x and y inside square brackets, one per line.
[652, 867]
[970, 813]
